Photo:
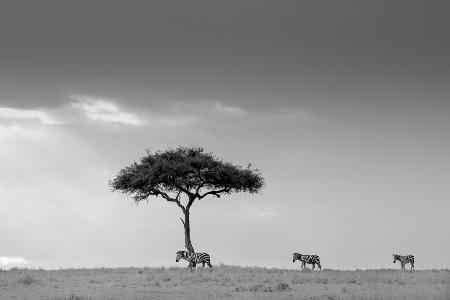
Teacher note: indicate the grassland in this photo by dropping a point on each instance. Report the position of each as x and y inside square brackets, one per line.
[225, 282]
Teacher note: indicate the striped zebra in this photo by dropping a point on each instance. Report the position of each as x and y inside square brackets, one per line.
[307, 259]
[194, 259]
[404, 259]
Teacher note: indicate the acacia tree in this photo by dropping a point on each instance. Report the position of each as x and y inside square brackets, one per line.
[182, 176]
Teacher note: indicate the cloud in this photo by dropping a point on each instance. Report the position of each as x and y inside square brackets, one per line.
[104, 110]
[228, 110]
[202, 110]
[175, 120]
[20, 114]
[184, 115]
[295, 115]
[8, 261]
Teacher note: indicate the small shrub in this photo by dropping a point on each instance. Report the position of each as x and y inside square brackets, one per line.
[27, 279]
[283, 287]
[322, 280]
[256, 288]
[156, 283]
[240, 289]
[352, 281]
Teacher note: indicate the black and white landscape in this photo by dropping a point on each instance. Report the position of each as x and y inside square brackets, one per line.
[246, 130]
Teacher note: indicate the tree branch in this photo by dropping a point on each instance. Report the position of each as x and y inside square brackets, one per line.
[182, 221]
[186, 191]
[191, 201]
[197, 190]
[215, 193]
[170, 199]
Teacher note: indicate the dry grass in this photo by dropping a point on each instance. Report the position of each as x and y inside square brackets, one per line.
[227, 282]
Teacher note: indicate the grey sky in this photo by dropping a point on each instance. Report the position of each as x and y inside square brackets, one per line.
[344, 106]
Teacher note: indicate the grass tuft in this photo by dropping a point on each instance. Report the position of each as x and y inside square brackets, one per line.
[27, 279]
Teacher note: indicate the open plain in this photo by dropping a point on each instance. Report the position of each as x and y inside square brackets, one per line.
[225, 282]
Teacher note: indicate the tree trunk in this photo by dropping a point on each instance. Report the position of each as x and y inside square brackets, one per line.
[187, 233]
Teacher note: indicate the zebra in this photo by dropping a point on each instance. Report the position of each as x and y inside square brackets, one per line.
[404, 259]
[307, 259]
[194, 259]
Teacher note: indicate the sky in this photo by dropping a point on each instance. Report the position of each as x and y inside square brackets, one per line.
[344, 106]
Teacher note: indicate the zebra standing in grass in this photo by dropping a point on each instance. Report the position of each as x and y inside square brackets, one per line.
[404, 259]
[307, 259]
[194, 259]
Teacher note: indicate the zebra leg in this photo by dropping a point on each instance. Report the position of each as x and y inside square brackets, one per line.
[203, 266]
[403, 265]
[313, 266]
[210, 266]
[320, 267]
[412, 265]
[192, 265]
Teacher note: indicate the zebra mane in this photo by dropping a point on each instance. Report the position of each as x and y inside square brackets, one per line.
[398, 255]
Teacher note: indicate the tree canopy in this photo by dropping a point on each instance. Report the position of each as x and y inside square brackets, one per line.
[187, 170]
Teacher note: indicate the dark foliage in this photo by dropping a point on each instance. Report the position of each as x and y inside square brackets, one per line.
[187, 170]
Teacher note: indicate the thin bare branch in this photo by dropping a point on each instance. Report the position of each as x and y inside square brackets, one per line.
[186, 191]
[197, 190]
[215, 193]
[170, 199]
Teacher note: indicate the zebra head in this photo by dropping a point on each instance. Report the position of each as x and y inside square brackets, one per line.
[396, 257]
[180, 255]
[296, 256]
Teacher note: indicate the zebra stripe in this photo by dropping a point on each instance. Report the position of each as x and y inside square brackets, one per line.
[307, 259]
[404, 259]
[194, 259]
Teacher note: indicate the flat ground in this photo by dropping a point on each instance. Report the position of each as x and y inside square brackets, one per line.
[225, 282]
